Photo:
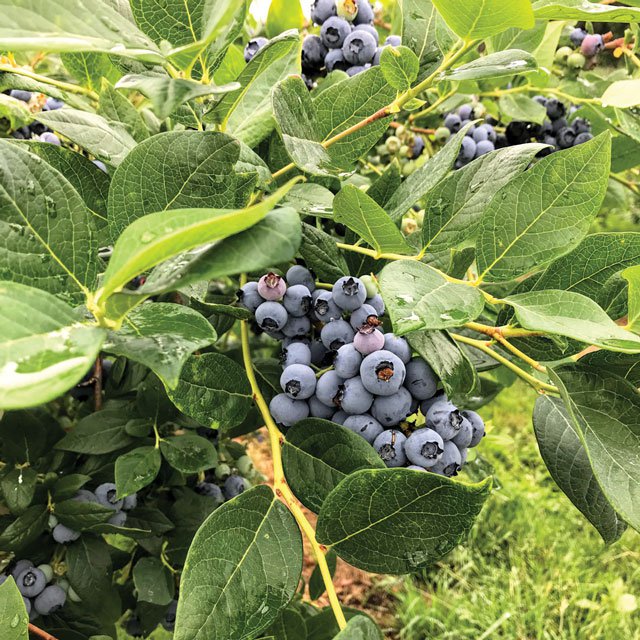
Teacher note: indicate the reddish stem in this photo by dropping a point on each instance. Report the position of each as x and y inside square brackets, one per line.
[97, 387]
[40, 633]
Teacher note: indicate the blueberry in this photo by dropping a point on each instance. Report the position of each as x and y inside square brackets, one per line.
[286, 411]
[253, 46]
[418, 147]
[355, 70]
[591, 45]
[249, 297]
[52, 138]
[298, 381]
[397, 345]
[297, 327]
[361, 315]
[467, 149]
[394, 41]
[365, 13]
[420, 379]
[234, 486]
[566, 137]
[391, 410]
[453, 122]
[27, 603]
[271, 316]
[577, 36]
[559, 123]
[169, 620]
[52, 104]
[581, 125]
[426, 404]
[562, 54]
[47, 570]
[353, 397]
[63, 534]
[576, 61]
[322, 10]
[319, 410]
[134, 627]
[334, 32]
[50, 600]
[364, 425]
[313, 54]
[551, 141]
[415, 467]
[347, 362]
[377, 303]
[501, 141]
[210, 490]
[334, 60]
[324, 307]
[470, 130]
[349, 293]
[131, 502]
[223, 471]
[336, 333]
[465, 434]
[368, 339]
[390, 447]
[442, 134]
[555, 109]
[118, 519]
[300, 275]
[275, 335]
[297, 300]
[481, 133]
[582, 138]
[18, 94]
[466, 112]
[271, 286]
[484, 147]
[328, 388]
[369, 28]
[31, 582]
[20, 567]
[518, 132]
[320, 355]
[477, 425]
[101, 165]
[106, 495]
[339, 417]
[444, 417]
[540, 100]
[382, 373]
[463, 456]
[376, 57]
[359, 47]
[296, 353]
[424, 447]
[450, 463]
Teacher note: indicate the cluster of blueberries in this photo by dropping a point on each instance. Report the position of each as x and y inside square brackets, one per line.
[585, 48]
[233, 484]
[41, 595]
[480, 139]
[104, 495]
[339, 365]
[348, 40]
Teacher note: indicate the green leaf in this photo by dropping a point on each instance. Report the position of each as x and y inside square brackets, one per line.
[24, 529]
[449, 362]
[189, 453]
[623, 365]
[310, 199]
[583, 10]
[362, 516]
[360, 213]
[153, 582]
[514, 38]
[65, 25]
[419, 297]
[420, 23]
[43, 349]
[283, 15]
[60, 257]
[495, 65]
[67, 486]
[316, 582]
[545, 212]
[420, 183]
[573, 315]
[290, 625]
[239, 594]
[385, 185]
[622, 94]
[106, 140]
[517, 106]
[167, 94]
[13, 612]
[213, 390]
[456, 204]
[18, 487]
[176, 21]
[360, 628]
[90, 69]
[321, 254]
[136, 469]
[15, 112]
[156, 237]
[475, 19]
[400, 67]
[318, 454]
[162, 336]
[606, 412]
[98, 433]
[323, 625]
[568, 464]
[81, 516]
[632, 276]
[115, 107]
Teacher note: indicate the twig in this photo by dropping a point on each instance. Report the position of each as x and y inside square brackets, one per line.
[97, 387]
[40, 633]
[64, 86]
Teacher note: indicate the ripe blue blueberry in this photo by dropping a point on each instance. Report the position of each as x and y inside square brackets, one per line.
[300, 275]
[339, 417]
[319, 410]
[453, 122]
[347, 362]
[271, 316]
[555, 109]
[324, 307]
[313, 52]
[297, 300]
[349, 293]
[322, 10]
[480, 133]
[592, 45]
[369, 28]
[62, 534]
[364, 425]
[210, 490]
[424, 447]
[320, 355]
[577, 36]
[106, 495]
[376, 57]
[118, 519]
[31, 582]
[444, 417]
[359, 47]
[416, 467]
[368, 339]
[377, 303]
[334, 32]
[581, 138]
[466, 112]
[18, 94]
[467, 149]
[391, 410]
[169, 620]
[420, 379]
[286, 411]
[463, 456]
[477, 424]
[49, 137]
[336, 333]
[382, 373]
[297, 327]
[361, 315]
[397, 345]
[450, 463]
[52, 104]
[328, 389]
[558, 124]
[581, 125]
[298, 381]
[484, 147]
[365, 13]
[134, 627]
[27, 602]
[390, 447]
[566, 137]
[19, 567]
[253, 46]
[234, 486]
[353, 397]
[50, 600]
[465, 434]
[271, 286]
[296, 353]
[394, 41]
[418, 147]
[355, 70]
[334, 60]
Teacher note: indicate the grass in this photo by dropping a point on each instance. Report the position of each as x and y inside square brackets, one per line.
[533, 569]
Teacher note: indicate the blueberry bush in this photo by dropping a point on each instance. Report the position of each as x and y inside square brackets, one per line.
[351, 230]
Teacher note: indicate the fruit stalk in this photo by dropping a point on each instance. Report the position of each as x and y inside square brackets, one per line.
[40, 633]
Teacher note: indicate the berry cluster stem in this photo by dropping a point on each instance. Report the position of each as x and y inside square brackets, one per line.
[40, 632]
[280, 484]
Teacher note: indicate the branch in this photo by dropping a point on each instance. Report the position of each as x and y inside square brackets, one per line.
[280, 484]
[40, 633]
[97, 387]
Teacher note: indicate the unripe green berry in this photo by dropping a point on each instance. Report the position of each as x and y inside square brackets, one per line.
[562, 54]
[393, 144]
[442, 134]
[53, 521]
[401, 130]
[347, 9]
[244, 464]
[408, 168]
[47, 569]
[418, 216]
[576, 61]
[409, 226]
[370, 285]
[404, 150]
[73, 596]
[63, 584]
[223, 471]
